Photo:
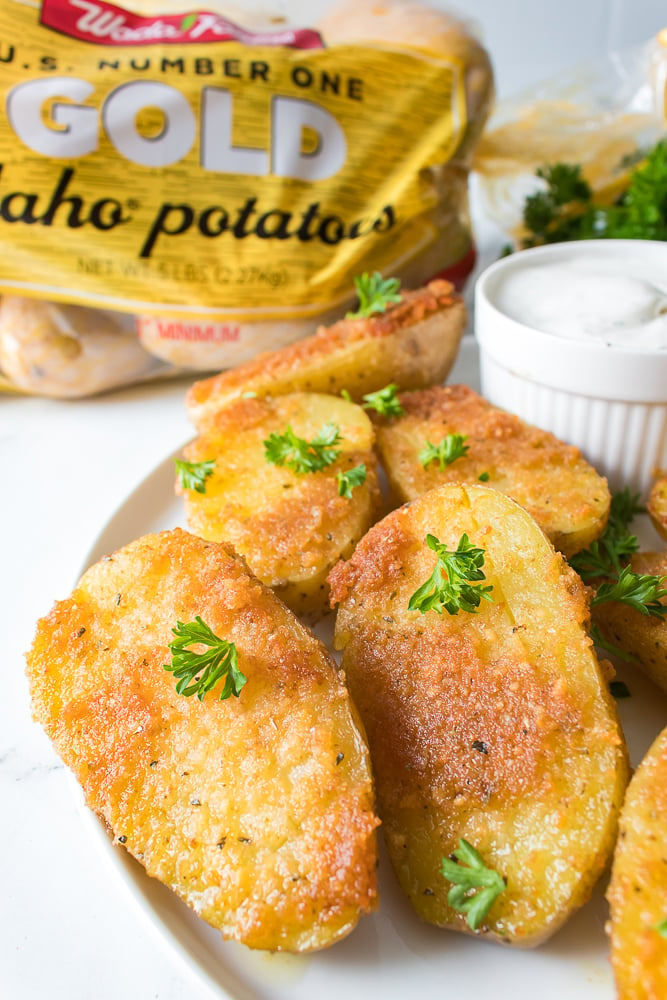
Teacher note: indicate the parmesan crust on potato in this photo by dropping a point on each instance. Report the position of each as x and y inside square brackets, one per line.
[496, 727]
[551, 480]
[257, 811]
[657, 505]
[638, 889]
[414, 343]
[291, 528]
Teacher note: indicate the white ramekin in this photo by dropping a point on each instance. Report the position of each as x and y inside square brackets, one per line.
[610, 402]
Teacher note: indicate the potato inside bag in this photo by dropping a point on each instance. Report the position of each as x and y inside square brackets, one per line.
[223, 176]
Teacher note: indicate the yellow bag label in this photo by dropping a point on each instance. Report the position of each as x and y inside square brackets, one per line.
[228, 178]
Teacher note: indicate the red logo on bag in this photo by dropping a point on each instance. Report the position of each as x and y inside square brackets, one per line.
[105, 24]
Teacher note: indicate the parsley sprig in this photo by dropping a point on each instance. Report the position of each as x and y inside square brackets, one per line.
[193, 475]
[446, 451]
[347, 481]
[198, 673]
[475, 887]
[661, 928]
[375, 294]
[606, 557]
[450, 584]
[303, 456]
[384, 401]
[565, 209]
[640, 591]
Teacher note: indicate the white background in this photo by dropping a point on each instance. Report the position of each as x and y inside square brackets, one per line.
[67, 930]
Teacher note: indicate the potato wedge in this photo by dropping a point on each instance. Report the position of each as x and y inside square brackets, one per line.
[640, 636]
[257, 811]
[496, 727]
[414, 343]
[638, 889]
[657, 506]
[291, 528]
[551, 480]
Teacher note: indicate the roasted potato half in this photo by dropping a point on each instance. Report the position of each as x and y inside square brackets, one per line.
[414, 343]
[638, 889]
[551, 480]
[291, 528]
[494, 727]
[657, 506]
[640, 636]
[258, 810]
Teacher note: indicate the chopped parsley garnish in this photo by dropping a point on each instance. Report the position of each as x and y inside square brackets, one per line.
[348, 480]
[640, 591]
[661, 928]
[375, 294]
[450, 584]
[446, 451]
[384, 401]
[613, 549]
[193, 475]
[198, 673]
[475, 887]
[484, 477]
[303, 456]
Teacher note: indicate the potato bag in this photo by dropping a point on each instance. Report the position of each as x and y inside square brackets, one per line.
[223, 176]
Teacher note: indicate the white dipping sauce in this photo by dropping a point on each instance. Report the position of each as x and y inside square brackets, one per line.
[616, 301]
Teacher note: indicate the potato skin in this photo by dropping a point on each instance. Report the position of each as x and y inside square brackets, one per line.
[551, 480]
[257, 811]
[290, 528]
[657, 506]
[641, 637]
[637, 892]
[496, 727]
[414, 343]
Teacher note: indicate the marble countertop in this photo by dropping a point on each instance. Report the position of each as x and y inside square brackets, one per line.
[68, 929]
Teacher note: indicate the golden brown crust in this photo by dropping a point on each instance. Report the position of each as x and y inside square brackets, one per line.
[350, 354]
[245, 807]
[290, 528]
[496, 727]
[657, 506]
[638, 889]
[551, 480]
[642, 637]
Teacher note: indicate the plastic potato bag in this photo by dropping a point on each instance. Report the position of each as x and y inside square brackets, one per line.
[214, 179]
[602, 116]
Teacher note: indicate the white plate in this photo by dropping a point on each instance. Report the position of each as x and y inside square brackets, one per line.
[391, 954]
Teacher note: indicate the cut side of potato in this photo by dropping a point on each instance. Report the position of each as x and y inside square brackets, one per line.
[414, 343]
[291, 528]
[657, 506]
[258, 810]
[495, 727]
[551, 480]
[642, 637]
[638, 890]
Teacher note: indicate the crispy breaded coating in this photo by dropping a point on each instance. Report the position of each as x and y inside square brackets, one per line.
[291, 528]
[641, 636]
[551, 480]
[637, 892]
[257, 811]
[657, 505]
[414, 343]
[496, 727]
